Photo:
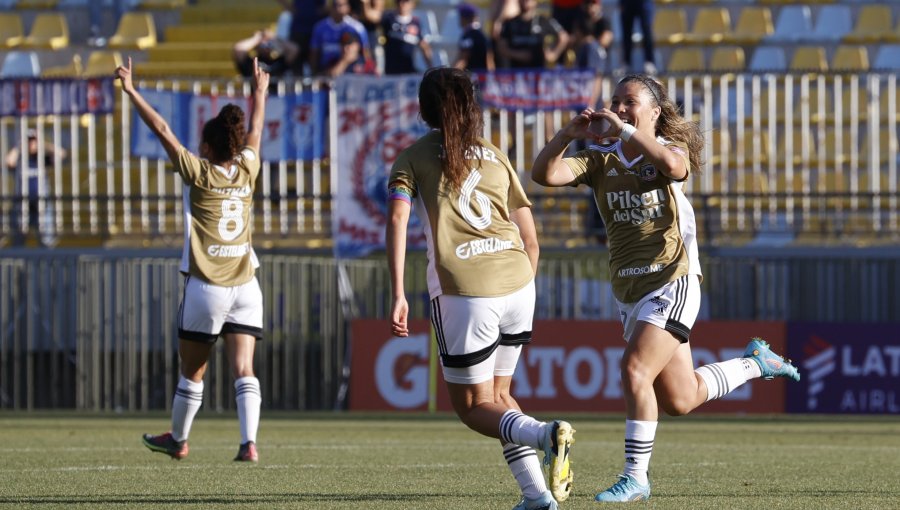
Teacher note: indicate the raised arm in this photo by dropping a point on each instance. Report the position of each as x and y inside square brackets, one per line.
[549, 169]
[261, 88]
[151, 117]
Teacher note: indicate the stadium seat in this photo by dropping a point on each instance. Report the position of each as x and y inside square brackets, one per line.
[11, 32]
[727, 59]
[36, 5]
[794, 21]
[710, 26]
[809, 58]
[686, 60]
[887, 58]
[875, 23]
[136, 30]
[73, 69]
[450, 29]
[21, 64]
[753, 25]
[850, 59]
[833, 22]
[102, 63]
[768, 58]
[669, 26]
[49, 31]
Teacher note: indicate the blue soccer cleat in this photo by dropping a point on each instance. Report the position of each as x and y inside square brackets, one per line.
[625, 490]
[771, 364]
[543, 502]
[558, 439]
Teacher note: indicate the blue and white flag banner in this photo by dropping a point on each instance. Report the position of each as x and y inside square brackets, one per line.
[294, 127]
[32, 97]
[534, 90]
[378, 117]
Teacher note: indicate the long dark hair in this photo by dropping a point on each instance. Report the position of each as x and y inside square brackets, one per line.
[670, 124]
[224, 134]
[447, 102]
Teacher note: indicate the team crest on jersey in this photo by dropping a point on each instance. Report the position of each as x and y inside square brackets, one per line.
[647, 172]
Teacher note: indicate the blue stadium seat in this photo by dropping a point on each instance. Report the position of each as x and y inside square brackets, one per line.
[450, 29]
[768, 58]
[21, 64]
[887, 58]
[793, 22]
[833, 22]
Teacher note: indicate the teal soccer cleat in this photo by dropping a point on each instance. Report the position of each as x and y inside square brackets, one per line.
[558, 439]
[625, 490]
[771, 364]
[543, 502]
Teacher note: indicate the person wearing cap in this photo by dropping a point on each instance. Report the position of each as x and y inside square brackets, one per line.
[475, 52]
[32, 189]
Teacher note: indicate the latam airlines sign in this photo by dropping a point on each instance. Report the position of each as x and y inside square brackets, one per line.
[569, 366]
[847, 368]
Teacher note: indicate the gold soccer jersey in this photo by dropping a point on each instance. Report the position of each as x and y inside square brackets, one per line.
[474, 249]
[649, 222]
[217, 207]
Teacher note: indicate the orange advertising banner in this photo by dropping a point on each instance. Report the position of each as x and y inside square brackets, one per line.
[570, 366]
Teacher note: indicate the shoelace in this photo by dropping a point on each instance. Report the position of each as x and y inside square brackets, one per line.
[619, 487]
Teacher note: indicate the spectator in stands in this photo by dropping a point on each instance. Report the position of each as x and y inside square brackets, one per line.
[482, 301]
[403, 38]
[304, 15]
[500, 12]
[565, 12]
[475, 52]
[531, 40]
[221, 293]
[629, 11]
[590, 55]
[602, 28]
[369, 14]
[276, 55]
[32, 185]
[637, 183]
[339, 44]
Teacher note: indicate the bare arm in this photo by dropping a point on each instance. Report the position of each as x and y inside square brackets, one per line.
[261, 88]
[398, 212]
[523, 218]
[551, 55]
[12, 157]
[426, 51]
[241, 48]
[151, 117]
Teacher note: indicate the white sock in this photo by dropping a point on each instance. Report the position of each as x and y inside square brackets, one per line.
[187, 401]
[249, 400]
[725, 376]
[524, 464]
[521, 429]
[638, 447]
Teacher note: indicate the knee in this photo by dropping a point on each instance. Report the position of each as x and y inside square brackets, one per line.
[634, 374]
[676, 406]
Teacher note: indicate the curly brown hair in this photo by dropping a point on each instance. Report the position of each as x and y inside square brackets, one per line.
[447, 102]
[224, 134]
[670, 124]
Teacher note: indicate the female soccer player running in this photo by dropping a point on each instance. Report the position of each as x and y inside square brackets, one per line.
[221, 292]
[482, 254]
[637, 183]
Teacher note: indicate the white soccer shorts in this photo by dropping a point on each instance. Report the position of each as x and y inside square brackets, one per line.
[480, 338]
[208, 310]
[673, 307]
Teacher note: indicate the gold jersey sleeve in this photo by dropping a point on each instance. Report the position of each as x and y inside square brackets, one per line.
[650, 224]
[218, 204]
[474, 249]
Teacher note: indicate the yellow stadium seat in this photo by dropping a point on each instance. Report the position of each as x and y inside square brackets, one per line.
[727, 59]
[102, 63]
[850, 59]
[686, 60]
[710, 26]
[161, 4]
[49, 31]
[669, 26]
[36, 5]
[71, 70]
[753, 25]
[874, 24]
[809, 58]
[11, 33]
[136, 31]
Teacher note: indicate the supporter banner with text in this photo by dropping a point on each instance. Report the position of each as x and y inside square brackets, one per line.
[571, 366]
[56, 97]
[294, 125]
[533, 90]
[377, 118]
[845, 368]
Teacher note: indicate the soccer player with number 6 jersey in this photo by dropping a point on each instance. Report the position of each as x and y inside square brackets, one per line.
[221, 292]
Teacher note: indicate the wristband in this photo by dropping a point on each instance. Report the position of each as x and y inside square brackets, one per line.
[627, 131]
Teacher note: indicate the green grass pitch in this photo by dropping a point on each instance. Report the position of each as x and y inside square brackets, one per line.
[346, 461]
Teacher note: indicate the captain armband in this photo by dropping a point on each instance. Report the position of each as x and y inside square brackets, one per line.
[399, 191]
